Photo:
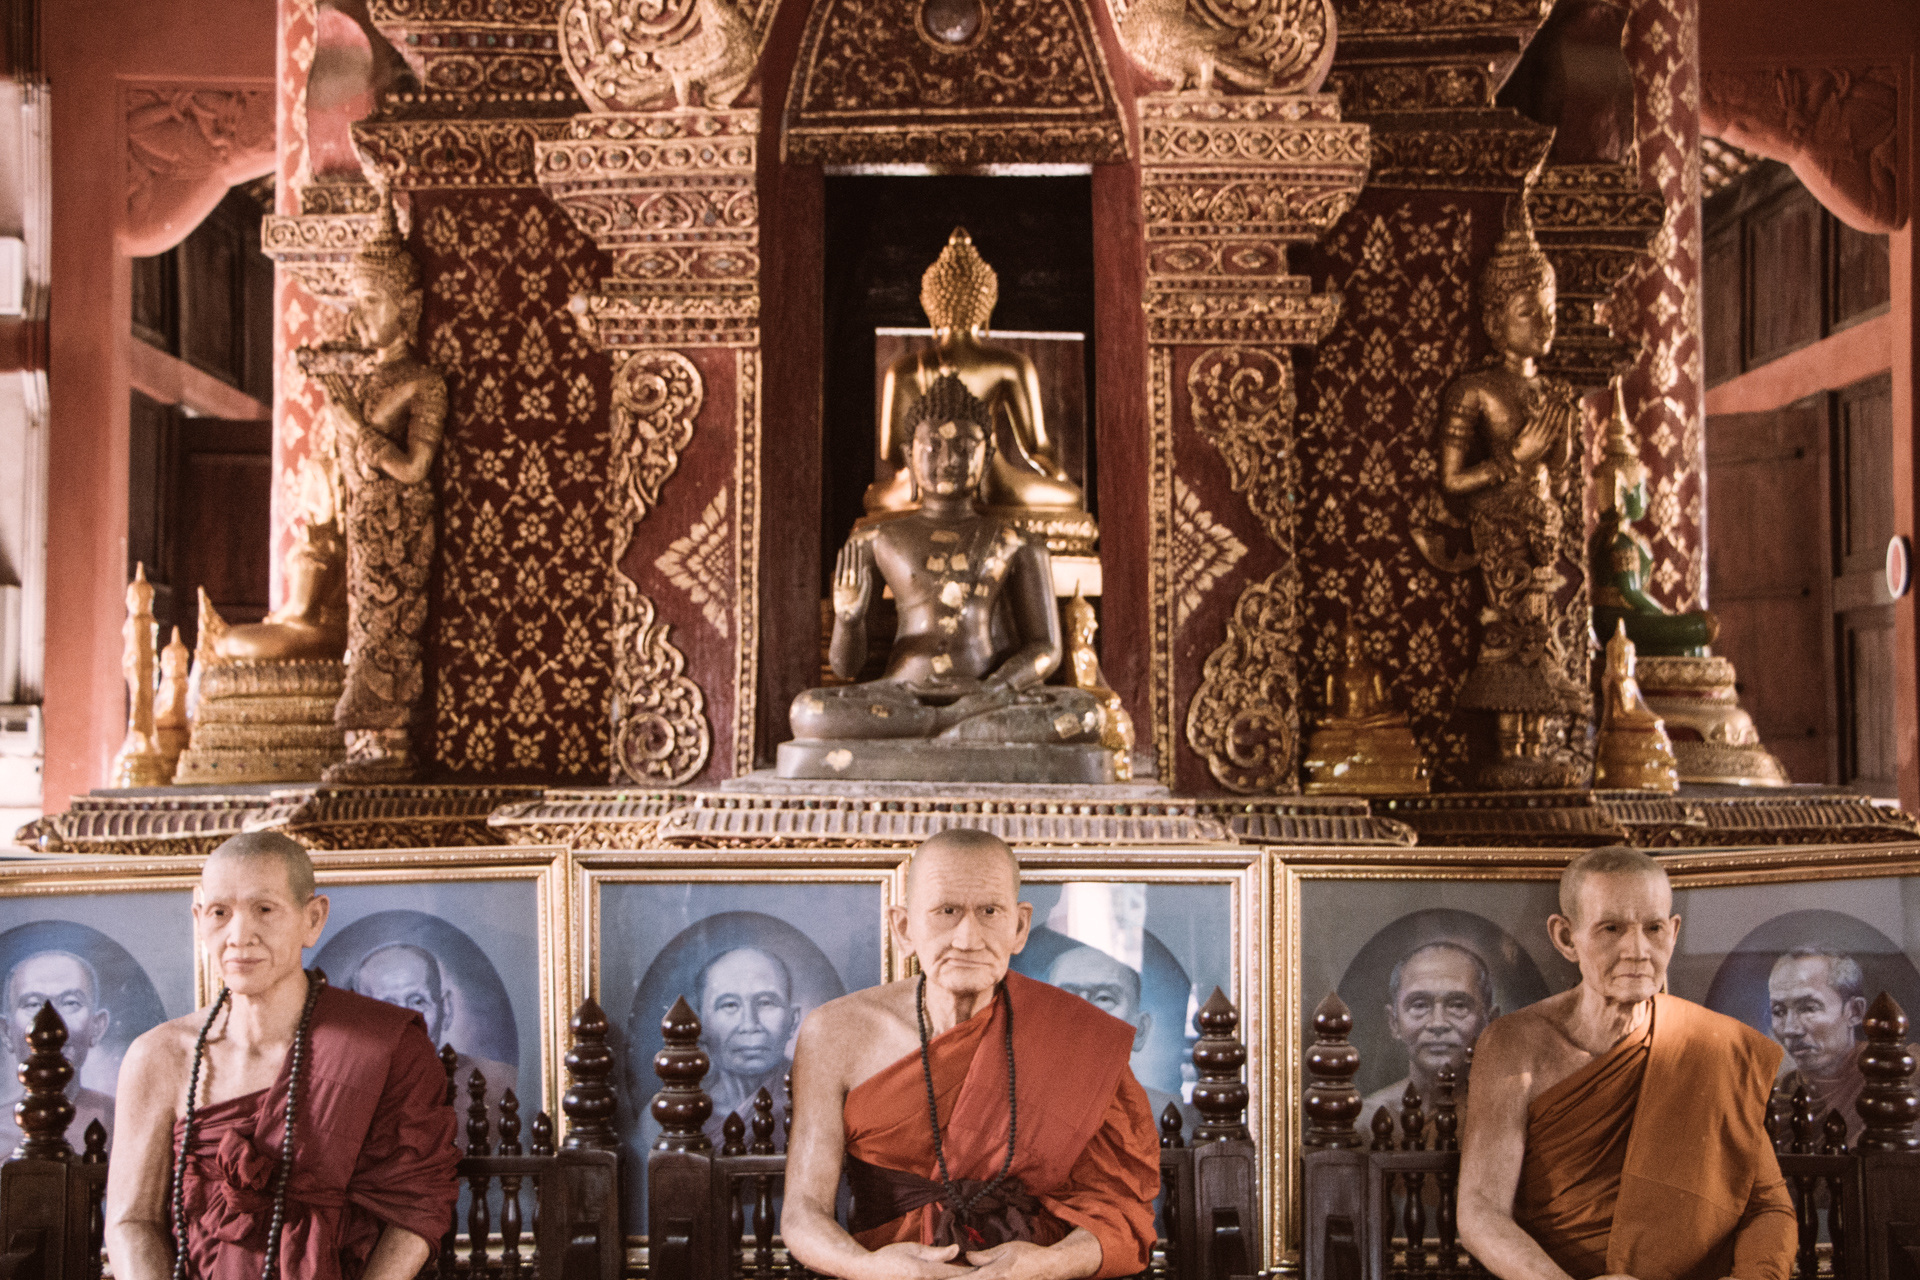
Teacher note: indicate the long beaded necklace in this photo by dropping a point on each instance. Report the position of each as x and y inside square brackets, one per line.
[963, 1205]
[283, 1168]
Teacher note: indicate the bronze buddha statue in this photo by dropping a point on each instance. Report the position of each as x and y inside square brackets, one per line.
[1363, 745]
[389, 412]
[1509, 448]
[1024, 483]
[1633, 751]
[962, 698]
[1622, 557]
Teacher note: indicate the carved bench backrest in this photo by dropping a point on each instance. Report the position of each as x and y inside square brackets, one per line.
[711, 1214]
[1369, 1214]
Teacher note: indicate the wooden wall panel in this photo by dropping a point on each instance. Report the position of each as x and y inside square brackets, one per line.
[1784, 276]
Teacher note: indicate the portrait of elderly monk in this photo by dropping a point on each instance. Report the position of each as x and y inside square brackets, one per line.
[1615, 1130]
[744, 997]
[369, 1158]
[1439, 1000]
[67, 982]
[1039, 1160]
[1114, 988]
[400, 973]
[1816, 1001]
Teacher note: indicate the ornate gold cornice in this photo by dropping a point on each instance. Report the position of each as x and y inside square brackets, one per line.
[476, 58]
[1463, 151]
[1594, 223]
[317, 249]
[427, 154]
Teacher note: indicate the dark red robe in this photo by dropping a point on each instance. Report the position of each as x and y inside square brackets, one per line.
[1087, 1148]
[373, 1147]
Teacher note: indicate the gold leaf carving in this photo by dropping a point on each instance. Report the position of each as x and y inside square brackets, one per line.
[656, 396]
[700, 563]
[1243, 404]
[630, 55]
[1259, 46]
[1244, 720]
[1200, 551]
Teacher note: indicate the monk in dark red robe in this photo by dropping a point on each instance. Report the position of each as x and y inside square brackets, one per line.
[958, 1169]
[368, 1188]
[1614, 1130]
[387, 1157]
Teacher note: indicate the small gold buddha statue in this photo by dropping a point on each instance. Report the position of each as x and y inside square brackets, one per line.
[1508, 437]
[1363, 745]
[1622, 557]
[389, 412]
[171, 727]
[139, 763]
[1024, 483]
[1116, 726]
[310, 626]
[962, 697]
[1633, 752]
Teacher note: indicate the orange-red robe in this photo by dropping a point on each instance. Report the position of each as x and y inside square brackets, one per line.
[1087, 1149]
[1654, 1160]
[373, 1147]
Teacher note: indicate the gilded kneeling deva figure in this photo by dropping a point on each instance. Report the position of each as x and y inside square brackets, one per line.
[962, 698]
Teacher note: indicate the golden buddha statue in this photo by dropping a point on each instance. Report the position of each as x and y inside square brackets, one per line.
[962, 697]
[389, 412]
[1633, 752]
[171, 727]
[1024, 483]
[1364, 745]
[138, 763]
[1509, 448]
[1116, 726]
[268, 689]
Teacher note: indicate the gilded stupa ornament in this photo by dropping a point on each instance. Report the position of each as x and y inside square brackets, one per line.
[1509, 438]
[388, 413]
[1023, 483]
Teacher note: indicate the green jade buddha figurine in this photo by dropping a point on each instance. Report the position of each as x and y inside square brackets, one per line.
[963, 697]
[1622, 557]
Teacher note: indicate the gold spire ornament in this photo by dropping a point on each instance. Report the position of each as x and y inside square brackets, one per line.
[139, 762]
[1633, 752]
[171, 716]
[959, 291]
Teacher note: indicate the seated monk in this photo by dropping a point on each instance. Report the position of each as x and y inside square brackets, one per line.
[1614, 1130]
[357, 1183]
[978, 630]
[1040, 1160]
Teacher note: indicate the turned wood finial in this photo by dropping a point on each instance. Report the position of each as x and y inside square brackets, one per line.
[450, 1063]
[786, 1116]
[1446, 1114]
[1332, 1103]
[509, 1124]
[682, 1106]
[733, 1135]
[589, 1100]
[45, 1111]
[1382, 1127]
[762, 1124]
[542, 1134]
[1833, 1134]
[94, 1140]
[1802, 1121]
[477, 1115]
[1221, 1095]
[1170, 1127]
[1413, 1122]
[1890, 1100]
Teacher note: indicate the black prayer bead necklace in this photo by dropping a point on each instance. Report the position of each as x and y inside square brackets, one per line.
[283, 1167]
[963, 1205]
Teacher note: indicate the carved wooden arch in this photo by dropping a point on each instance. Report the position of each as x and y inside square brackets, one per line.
[187, 145]
[1836, 127]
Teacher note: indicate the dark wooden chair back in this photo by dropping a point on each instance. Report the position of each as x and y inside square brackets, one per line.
[532, 1212]
[1383, 1206]
[711, 1214]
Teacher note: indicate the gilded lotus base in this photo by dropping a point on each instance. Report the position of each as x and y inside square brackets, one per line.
[1382, 761]
[1714, 740]
[264, 722]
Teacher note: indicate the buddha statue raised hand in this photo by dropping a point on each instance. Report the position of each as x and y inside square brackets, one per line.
[1622, 557]
[1509, 450]
[1024, 482]
[962, 697]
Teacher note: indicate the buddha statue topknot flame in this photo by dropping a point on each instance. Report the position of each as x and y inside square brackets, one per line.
[1024, 482]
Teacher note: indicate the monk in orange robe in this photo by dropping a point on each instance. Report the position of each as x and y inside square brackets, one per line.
[1614, 1130]
[989, 1124]
[361, 1188]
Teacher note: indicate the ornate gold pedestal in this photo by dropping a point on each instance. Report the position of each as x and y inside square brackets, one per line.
[264, 722]
[1714, 740]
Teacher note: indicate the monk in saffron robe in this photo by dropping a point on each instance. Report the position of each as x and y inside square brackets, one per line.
[989, 1125]
[363, 1187]
[1617, 1131]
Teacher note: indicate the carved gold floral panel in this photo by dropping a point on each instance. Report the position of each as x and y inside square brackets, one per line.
[521, 613]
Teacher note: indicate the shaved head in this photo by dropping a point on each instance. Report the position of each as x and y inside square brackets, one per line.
[270, 846]
[1613, 860]
[961, 842]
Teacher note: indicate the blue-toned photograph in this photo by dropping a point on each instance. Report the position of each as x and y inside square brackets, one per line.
[127, 968]
[751, 960]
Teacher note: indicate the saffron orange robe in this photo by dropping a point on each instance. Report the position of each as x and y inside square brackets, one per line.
[373, 1148]
[1654, 1160]
[1086, 1147]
